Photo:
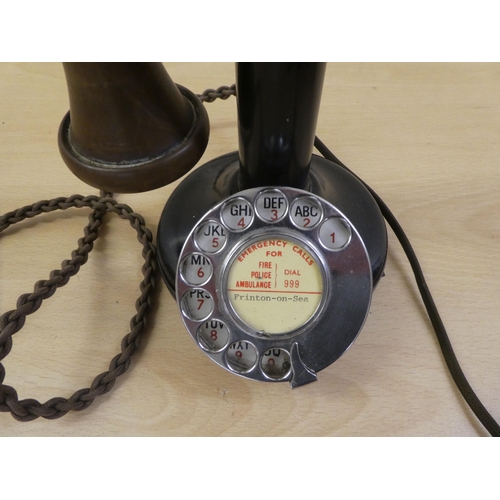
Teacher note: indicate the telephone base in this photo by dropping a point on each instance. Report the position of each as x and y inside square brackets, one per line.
[216, 180]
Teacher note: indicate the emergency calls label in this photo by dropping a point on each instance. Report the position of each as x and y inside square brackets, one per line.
[275, 285]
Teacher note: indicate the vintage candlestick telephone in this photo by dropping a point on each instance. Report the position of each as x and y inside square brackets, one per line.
[272, 251]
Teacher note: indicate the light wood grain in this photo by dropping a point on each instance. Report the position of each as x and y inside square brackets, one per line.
[426, 137]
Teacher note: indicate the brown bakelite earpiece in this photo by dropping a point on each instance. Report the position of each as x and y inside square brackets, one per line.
[130, 128]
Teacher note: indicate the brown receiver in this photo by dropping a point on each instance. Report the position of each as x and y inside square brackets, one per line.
[130, 128]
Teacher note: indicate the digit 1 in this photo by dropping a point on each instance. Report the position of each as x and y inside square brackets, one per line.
[333, 237]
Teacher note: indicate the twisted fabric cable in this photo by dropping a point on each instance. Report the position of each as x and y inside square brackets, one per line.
[12, 321]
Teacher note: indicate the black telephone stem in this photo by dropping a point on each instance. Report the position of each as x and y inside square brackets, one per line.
[278, 105]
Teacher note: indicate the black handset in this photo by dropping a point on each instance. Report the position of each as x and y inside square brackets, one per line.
[271, 252]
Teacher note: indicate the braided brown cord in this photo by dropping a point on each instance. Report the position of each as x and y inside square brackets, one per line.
[223, 92]
[12, 321]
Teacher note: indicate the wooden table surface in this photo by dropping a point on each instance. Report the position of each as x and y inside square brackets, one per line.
[426, 137]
